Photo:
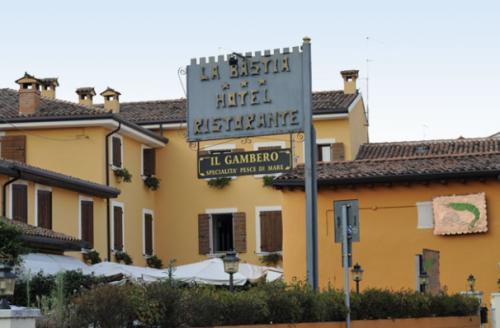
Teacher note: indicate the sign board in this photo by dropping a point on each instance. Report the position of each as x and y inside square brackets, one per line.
[244, 163]
[255, 94]
[352, 219]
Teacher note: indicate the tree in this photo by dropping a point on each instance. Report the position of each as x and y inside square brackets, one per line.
[11, 245]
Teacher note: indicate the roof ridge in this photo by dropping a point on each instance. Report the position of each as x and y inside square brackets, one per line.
[385, 159]
[432, 141]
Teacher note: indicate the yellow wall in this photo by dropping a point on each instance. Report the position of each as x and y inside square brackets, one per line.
[358, 129]
[390, 238]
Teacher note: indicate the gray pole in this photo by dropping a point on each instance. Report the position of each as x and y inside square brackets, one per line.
[345, 259]
[309, 170]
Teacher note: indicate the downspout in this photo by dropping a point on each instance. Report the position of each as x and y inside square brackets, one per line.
[4, 192]
[108, 203]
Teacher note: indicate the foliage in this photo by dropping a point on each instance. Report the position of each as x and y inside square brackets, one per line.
[172, 304]
[267, 180]
[92, 257]
[11, 245]
[271, 259]
[152, 182]
[123, 174]
[154, 262]
[219, 183]
[123, 257]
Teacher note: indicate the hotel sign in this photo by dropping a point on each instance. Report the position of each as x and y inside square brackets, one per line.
[244, 163]
[247, 95]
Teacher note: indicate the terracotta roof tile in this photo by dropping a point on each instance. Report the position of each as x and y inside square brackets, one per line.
[31, 230]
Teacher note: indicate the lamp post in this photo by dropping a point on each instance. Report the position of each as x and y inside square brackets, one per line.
[231, 266]
[7, 285]
[471, 282]
[424, 279]
[357, 275]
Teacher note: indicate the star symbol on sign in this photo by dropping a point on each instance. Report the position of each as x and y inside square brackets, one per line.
[262, 82]
[225, 86]
[244, 83]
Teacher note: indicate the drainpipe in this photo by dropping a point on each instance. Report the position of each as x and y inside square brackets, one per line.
[4, 192]
[108, 203]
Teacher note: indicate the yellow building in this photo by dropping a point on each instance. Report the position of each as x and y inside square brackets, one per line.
[398, 186]
[184, 219]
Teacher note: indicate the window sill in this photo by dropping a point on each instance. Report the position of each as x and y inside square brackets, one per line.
[269, 253]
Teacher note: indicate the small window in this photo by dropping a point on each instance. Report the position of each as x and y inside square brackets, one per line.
[87, 222]
[117, 228]
[116, 151]
[271, 231]
[324, 152]
[44, 208]
[425, 215]
[148, 234]
[19, 202]
[148, 162]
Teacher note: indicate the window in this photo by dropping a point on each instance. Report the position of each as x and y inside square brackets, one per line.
[148, 161]
[329, 150]
[425, 215]
[118, 230]
[116, 151]
[148, 232]
[19, 202]
[324, 152]
[221, 232]
[44, 208]
[269, 229]
[87, 221]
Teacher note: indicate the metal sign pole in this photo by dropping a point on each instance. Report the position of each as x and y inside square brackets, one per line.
[309, 170]
[345, 259]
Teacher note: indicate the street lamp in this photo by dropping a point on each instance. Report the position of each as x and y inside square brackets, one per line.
[424, 280]
[231, 266]
[7, 285]
[471, 282]
[357, 275]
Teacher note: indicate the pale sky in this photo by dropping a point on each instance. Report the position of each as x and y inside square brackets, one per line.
[434, 66]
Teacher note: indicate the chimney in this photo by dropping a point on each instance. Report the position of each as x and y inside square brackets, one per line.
[85, 96]
[350, 78]
[29, 94]
[111, 100]
[49, 86]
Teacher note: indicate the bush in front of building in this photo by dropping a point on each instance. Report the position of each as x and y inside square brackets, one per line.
[11, 245]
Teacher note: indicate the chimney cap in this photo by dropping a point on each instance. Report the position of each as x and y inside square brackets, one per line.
[110, 92]
[350, 73]
[28, 79]
[50, 81]
[85, 91]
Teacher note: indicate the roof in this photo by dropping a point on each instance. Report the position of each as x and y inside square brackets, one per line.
[59, 110]
[31, 173]
[45, 238]
[378, 164]
[419, 149]
[174, 111]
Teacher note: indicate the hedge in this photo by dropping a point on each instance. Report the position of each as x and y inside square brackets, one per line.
[169, 304]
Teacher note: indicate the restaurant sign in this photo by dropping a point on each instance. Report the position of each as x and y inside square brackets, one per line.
[230, 164]
[238, 95]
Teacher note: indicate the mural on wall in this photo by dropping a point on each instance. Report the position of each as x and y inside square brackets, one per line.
[460, 214]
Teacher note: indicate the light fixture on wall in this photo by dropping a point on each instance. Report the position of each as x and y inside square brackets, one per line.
[357, 275]
[231, 266]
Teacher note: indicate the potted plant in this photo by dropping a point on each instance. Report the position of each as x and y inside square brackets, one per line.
[91, 256]
[123, 174]
[152, 182]
[219, 183]
[154, 262]
[123, 257]
[267, 180]
[272, 259]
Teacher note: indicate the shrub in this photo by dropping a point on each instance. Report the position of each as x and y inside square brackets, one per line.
[219, 183]
[154, 262]
[152, 182]
[11, 245]
[123, 174]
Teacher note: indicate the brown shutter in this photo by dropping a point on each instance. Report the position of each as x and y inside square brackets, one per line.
[20, 202]
[271, 231]
[14, 148]
[45, 209]
[117, 151]
[149, 157]
[240, 232]
[118, 228]
[87, 228]
[337, 152]
[148, 234]
[203, 234]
